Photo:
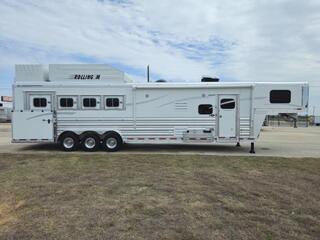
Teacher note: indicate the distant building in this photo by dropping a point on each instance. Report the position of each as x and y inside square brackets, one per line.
[5, 108]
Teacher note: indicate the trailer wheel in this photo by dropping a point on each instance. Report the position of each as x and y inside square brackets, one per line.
[69, 142]
[90, 142]
[112, 142]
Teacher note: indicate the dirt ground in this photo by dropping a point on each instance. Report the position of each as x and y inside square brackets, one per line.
[158, 196]
[282, 142]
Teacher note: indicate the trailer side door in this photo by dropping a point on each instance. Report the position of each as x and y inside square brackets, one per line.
[227, 116]
[36, 122]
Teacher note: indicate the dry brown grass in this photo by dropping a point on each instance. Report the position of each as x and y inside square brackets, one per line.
[158, 197]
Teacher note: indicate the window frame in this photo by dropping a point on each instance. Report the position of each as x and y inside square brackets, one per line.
[75, 102]
[98, 102]
[121, 99]
[30, 95]
[281, 102]
[205, 104]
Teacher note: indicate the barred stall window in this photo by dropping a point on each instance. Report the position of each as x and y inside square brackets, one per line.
[39, 102]
[66, 102]
[112, 102]
[89, 102]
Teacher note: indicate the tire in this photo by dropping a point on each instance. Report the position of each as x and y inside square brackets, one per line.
[69, 142]
[112, 142]
[90, 142]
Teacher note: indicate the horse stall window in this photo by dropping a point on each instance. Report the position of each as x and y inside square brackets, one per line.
[66, 102]
[39, 102]
[280, 96]
[205, 109]
[227, 103]
[112, 102]
[89, 102]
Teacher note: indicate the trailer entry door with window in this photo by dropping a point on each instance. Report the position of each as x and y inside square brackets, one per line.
[227, 116]
[35, 122]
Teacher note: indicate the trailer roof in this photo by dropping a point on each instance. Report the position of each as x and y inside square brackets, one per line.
[158, 85]
[210, 84]
[192, 84]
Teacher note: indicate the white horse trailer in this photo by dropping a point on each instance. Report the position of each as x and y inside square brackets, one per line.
[98, 106]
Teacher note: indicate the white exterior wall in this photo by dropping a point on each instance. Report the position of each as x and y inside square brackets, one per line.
[176, 110]
[158, 112]
[99, 72]
[161, 111]
[31, 73]
[154, 112]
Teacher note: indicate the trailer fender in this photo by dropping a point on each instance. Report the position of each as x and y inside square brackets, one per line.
[64, 133]
[112, 132]
[83, 134]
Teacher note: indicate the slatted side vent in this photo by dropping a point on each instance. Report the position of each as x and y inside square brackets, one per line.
[181, 106]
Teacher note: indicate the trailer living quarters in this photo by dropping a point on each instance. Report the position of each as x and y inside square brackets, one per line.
[98, 106]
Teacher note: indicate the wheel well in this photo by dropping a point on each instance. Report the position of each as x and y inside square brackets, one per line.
[66, 132]
[89, 132]
[112, 132]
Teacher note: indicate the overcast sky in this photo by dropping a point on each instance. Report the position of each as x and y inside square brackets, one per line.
[243, 40]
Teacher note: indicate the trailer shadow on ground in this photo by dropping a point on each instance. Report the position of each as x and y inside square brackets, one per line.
[159, 148]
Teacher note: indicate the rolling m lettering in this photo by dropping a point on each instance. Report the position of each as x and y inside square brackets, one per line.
[87, 77]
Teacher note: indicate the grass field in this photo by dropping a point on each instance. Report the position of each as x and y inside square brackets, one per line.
[158, 197]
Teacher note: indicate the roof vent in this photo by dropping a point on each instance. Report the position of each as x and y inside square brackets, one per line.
[209, 79]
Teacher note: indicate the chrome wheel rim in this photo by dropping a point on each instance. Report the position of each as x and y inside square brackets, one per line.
[90, 142]
[68, 142]
[111, 143]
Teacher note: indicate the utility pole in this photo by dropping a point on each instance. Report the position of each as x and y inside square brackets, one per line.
[148, 73]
